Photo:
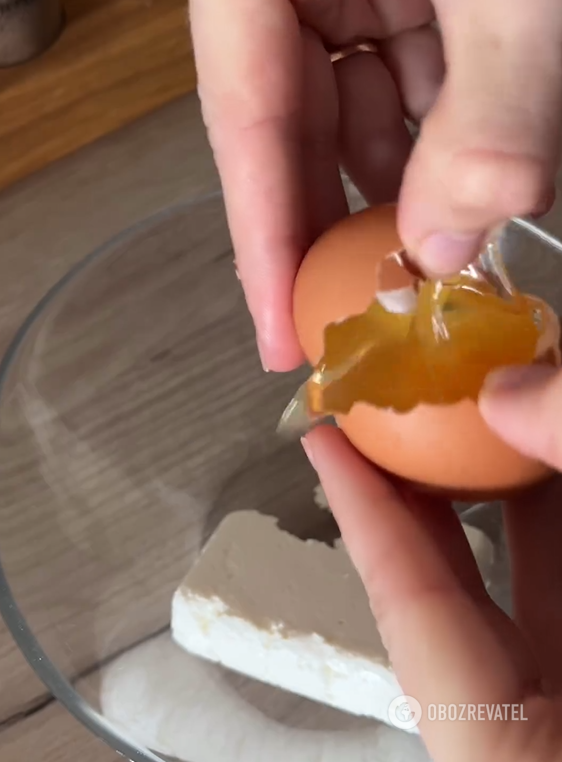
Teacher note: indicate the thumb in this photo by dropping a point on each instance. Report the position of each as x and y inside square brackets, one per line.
[488, 150]
[446, 640]
[523, 405]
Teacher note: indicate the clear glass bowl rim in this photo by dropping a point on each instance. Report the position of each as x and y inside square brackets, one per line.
[44, 668]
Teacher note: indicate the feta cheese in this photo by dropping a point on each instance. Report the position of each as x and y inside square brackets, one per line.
[288, 612]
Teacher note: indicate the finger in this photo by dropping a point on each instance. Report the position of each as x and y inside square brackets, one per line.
[488, 149]
[437, 518]
[325, 197]
[415, 60]
[375, 142]
[249, 60]
[534, 528]
[440, 645]
[343, 23]
[523, 405]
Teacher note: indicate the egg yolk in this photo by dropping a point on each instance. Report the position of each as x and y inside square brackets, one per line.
[439, 352]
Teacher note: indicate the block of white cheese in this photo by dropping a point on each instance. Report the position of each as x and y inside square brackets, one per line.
[288, 612]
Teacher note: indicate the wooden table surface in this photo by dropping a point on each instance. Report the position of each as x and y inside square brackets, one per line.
[49, 222]
[115, 61]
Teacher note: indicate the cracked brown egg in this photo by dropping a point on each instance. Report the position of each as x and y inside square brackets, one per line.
[400, 361]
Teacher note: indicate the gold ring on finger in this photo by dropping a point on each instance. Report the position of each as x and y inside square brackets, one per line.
[351, 50]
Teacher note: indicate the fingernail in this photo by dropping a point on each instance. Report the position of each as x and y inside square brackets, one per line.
[545, 205]
[447, 253]
[306, 446]
[518, 378]
[262, 351]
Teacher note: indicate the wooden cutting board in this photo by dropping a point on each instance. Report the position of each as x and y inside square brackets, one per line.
[115, 61]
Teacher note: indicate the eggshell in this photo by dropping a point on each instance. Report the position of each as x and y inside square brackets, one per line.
[446, 448]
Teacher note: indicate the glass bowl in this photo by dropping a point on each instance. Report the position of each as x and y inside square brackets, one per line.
[134, 415]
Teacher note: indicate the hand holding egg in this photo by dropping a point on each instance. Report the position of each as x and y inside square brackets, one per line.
[450, 645]
[282, 117]
[407, 398]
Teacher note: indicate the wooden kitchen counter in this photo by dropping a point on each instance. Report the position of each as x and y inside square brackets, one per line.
[114, 61]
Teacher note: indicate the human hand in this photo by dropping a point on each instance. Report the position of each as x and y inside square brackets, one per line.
[280, 116]
[448, 642]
